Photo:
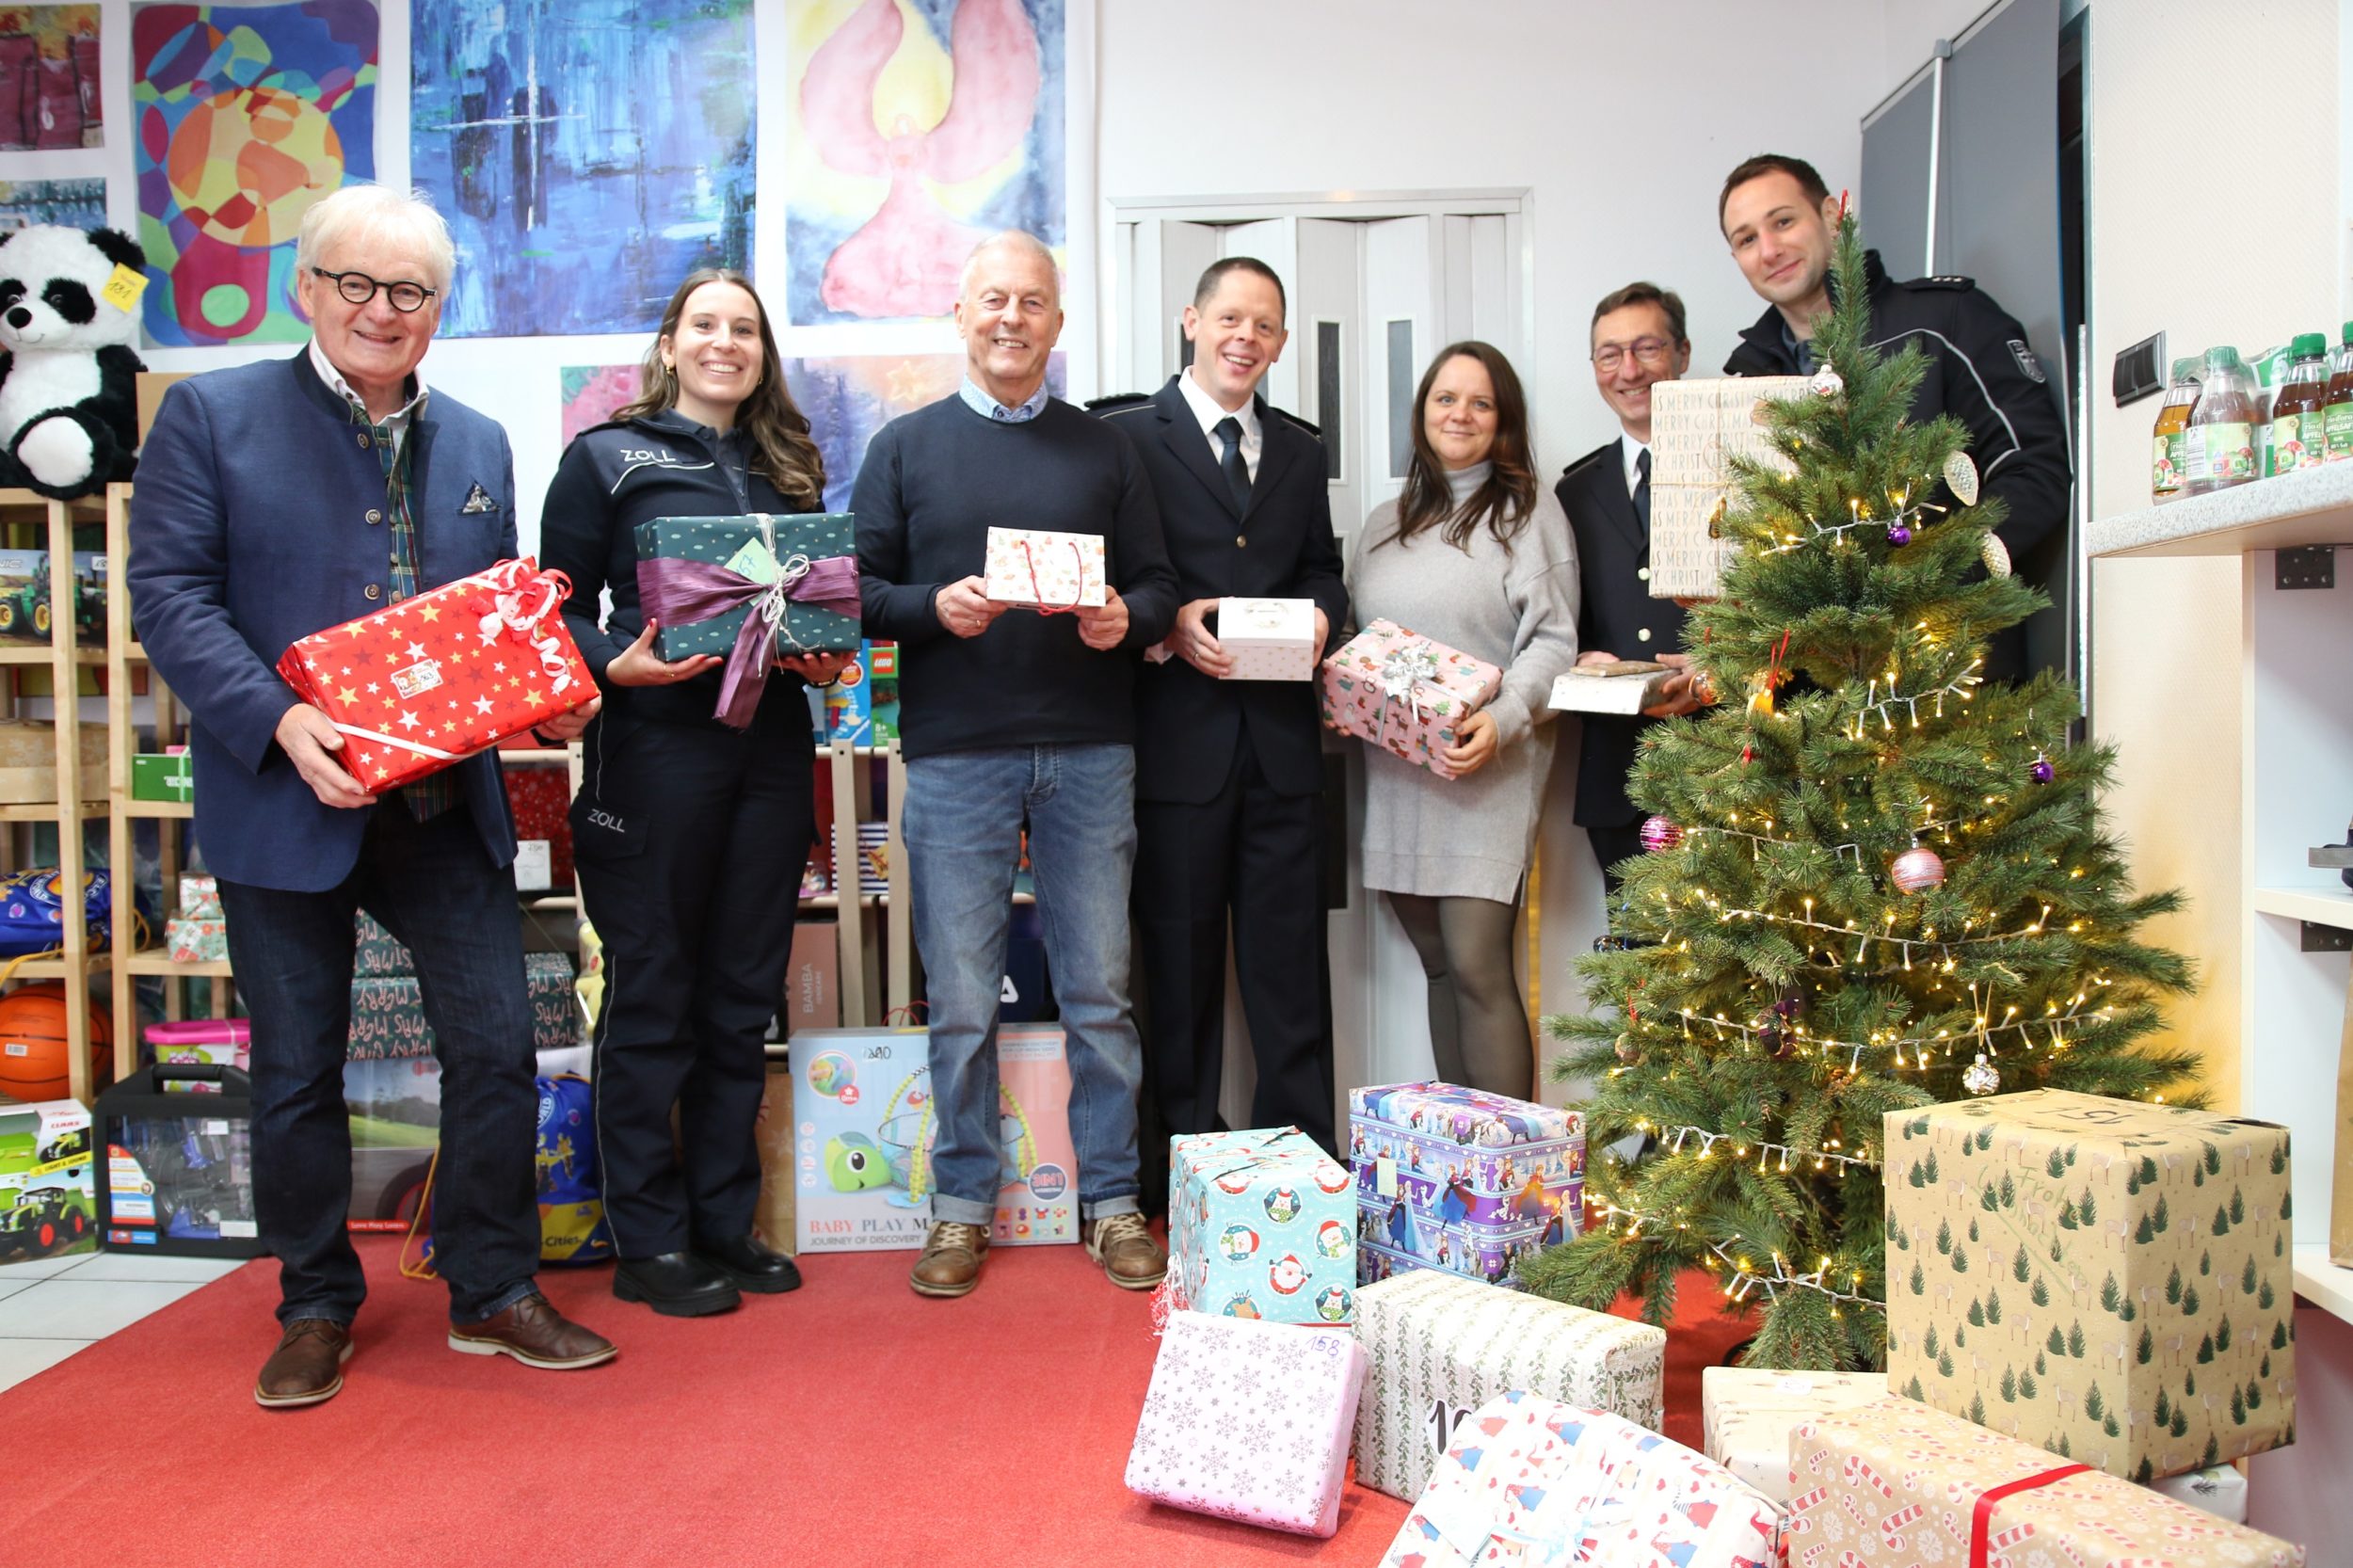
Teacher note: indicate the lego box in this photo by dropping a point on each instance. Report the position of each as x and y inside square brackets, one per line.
[863, 1124]
[1261, 1224]
[1460, 1180]
[48, 1180]
[2104, 1278]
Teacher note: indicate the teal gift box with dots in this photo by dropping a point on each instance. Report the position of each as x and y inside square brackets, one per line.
[739, 545]
[1261, 1224]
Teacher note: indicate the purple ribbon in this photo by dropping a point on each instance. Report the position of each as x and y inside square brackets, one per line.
[680, 593]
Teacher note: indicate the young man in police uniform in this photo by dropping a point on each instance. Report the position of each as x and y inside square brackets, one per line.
[1229, 774]
[1780, 221]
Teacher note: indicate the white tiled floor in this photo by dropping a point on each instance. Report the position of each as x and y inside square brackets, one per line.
[53, 1307]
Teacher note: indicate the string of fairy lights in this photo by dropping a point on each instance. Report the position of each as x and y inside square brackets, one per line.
[1981, 1032]
[1744, 1276]
[1766, 1149]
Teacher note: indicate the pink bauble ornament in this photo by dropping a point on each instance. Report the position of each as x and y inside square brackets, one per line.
[1660, 835]
[1917, 869]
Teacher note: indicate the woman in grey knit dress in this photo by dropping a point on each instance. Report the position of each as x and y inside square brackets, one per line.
[1476, 555]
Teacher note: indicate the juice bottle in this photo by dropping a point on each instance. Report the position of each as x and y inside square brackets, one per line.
[2271, 367]
[2164, 446]
[2340, 417]
[2299, 407]
[2220, 445]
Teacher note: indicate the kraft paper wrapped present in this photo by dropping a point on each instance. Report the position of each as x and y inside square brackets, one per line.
[2104, 1278]
[1896, 1484]
[1697, 428]
[199, 896]
[1442, 1346]
[1532, 1482]
[1050, 570]
[1405, 693]
[1748, 1412]
[1250, 1421]
[194, 941]
[1623, 689]
[1261, 1224]
[1461, 1180]
[1271, 639]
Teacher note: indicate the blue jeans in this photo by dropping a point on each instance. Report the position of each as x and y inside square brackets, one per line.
[431, 886]
[963, 828]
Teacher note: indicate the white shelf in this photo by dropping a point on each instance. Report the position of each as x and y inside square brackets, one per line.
[2308, 507]
[2332, 905]
[2321, 1282]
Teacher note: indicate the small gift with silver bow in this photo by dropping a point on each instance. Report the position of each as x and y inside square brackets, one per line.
[1406, 693]
[751, 590]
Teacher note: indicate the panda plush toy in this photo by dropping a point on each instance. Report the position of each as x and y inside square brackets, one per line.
[68, 390]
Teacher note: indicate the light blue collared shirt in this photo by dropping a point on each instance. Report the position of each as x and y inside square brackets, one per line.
[987, 407]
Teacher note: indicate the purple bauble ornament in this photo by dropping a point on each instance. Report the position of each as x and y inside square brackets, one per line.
[1660, 835]
[1788, 1004]
[2043, 773]
[1899, 534]
[1770, 1038]
[1917, 869]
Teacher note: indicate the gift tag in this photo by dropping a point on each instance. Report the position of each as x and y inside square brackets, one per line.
[754, 562]
[123, 287]
[1385, 1177]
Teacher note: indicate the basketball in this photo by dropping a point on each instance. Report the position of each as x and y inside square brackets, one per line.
[33, 1042]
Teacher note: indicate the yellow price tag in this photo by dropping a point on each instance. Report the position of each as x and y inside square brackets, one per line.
[123, 288]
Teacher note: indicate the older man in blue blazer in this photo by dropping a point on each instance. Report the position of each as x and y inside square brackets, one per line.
[275, 500]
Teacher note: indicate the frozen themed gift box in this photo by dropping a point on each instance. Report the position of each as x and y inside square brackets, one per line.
[1259, 1225]
[1040, 568]
[1406, 694]
[1460, 1180]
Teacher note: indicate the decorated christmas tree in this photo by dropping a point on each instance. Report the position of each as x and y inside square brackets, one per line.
[1872, 882]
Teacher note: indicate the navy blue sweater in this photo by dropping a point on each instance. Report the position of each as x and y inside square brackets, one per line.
[933, 483]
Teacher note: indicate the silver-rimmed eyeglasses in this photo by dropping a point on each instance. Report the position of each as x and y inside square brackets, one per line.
[1609, 356]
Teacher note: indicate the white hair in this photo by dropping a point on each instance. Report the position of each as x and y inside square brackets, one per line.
[405, 218]
[1010, 239]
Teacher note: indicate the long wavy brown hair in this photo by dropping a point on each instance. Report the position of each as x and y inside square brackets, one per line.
[1508, 499]
[782, 449]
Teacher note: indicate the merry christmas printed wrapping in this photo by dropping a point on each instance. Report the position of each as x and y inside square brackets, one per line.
[388, 1012]
[1748, 1414]
[1040, 568]
[1261, 1224]
[1460, 1180]
[1539, 1485]
[1271, 639]
[1405, 693]
[1697, 428]
[1442, 1346]
[1897, 1485]
[2104, 1278]
[435, 679]
[1250, 1421]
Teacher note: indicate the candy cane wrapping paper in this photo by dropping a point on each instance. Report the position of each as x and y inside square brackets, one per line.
[1895, 1484]
[435, 679]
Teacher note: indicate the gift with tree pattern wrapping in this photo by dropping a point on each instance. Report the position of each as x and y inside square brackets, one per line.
[2104, 1278]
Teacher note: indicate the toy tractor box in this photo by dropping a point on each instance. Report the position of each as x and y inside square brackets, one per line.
[48, 1184]
[179, 1170]
[864, 1128]
[30, 601]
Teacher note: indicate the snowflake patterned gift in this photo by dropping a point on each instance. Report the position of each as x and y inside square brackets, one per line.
[1538, 1484]
[1250, 1421]
[1044, 569]
[435, 679]
[1406, 694]
[1460, 1180]
[1261, 1224]
[1895, 1484]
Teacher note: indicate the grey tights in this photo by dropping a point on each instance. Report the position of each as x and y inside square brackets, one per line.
[1478, 1025]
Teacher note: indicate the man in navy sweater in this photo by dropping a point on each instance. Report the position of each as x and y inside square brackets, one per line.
[1008, 715]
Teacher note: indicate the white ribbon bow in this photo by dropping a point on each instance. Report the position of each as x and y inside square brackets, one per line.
[1403, 671]
[777, 598]
[509, 579]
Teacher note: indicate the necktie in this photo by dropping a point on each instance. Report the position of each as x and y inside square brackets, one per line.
[1642, 487]
[1236, 473]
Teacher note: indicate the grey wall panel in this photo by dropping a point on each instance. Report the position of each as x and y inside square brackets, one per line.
[1893, 203]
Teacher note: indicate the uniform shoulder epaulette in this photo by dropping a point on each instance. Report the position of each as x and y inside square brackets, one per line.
[1590, 458]
[1118, 403]
[1293, 419]
[1952, 281]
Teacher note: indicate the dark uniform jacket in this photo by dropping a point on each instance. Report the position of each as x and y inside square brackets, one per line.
[1186, 723]
[1614, 612]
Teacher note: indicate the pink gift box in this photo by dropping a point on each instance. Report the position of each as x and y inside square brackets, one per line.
[1529, 1482]
[221, 1041]
[1404, 693]
[1249, 1420]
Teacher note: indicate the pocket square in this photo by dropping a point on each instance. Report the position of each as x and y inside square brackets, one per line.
[478, 500]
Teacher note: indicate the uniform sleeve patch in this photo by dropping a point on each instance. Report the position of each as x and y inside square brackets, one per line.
[2026, 359]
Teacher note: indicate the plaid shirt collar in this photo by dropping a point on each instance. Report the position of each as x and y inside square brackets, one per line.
[395, 424]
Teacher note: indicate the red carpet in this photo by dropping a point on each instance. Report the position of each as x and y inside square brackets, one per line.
[849, 1423]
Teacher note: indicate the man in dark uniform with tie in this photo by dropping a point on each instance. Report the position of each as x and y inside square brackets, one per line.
[1229, 774]
[1638, 342]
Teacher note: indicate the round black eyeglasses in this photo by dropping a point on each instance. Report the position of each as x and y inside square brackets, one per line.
[358, 288]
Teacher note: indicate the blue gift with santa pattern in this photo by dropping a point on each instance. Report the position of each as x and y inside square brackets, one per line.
[1261, 1224]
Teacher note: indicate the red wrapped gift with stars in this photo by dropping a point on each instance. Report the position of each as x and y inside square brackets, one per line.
[435, 679]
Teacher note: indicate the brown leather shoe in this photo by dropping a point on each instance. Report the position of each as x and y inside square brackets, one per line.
[535, 1333]
[951, 1264]
[1123, 1245]
[307, 1367]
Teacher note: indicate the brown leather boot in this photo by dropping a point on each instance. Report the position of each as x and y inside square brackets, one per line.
[951, 1264]
[535, 1333]
[307, 1367]
[1123, 1245]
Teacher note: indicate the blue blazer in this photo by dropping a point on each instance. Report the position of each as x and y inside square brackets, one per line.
[258, 520]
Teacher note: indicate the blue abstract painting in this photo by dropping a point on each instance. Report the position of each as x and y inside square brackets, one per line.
[75, 204]
[588, 154]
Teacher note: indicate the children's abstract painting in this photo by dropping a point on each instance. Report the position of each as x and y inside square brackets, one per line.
[74, 203]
